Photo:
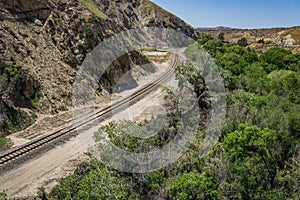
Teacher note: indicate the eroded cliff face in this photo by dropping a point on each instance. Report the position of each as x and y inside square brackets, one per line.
[44, 42]
[140, 13]
[24, 9]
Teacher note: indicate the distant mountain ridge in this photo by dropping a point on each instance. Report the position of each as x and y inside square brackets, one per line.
[261, 39]
[218, 28]
[225, 28]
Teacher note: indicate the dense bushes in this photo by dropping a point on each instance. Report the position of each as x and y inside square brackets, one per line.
[95, 181]
[257, 155]
[192, 186]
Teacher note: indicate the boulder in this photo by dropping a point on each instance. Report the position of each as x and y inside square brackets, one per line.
[24, 9]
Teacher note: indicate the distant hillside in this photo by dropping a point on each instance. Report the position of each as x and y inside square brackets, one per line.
[288, 38]
[218, 28]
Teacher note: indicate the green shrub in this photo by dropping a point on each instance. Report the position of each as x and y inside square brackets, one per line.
[18, 120]
[95, 181]
[3, 196]
[155, 179]
[5, 143]
[193, 186]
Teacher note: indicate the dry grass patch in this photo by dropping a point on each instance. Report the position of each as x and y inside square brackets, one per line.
[91, 5]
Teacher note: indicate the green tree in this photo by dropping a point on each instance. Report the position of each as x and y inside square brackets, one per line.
[275, 59]
[213, 46]
[261, 41]
[205, 37]
[95, 181]
[221, 36]
[292, 62]
[188, 72]
[233, 62]
[242, 42]
[254, 79]
[155, 179]
[193, 186]
[253, 154]
[285, 83]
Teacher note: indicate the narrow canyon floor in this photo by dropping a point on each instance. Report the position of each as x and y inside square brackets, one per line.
[47, 169]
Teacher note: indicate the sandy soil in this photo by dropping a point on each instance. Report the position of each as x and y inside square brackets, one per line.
[47, 169]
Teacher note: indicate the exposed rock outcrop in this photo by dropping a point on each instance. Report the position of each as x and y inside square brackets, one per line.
[285, 41]
[140, 13]
[49, 39]
[30, 10]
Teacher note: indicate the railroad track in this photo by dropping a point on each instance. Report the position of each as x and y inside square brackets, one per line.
[39, 142]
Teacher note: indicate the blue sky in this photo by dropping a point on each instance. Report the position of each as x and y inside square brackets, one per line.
[235, 13]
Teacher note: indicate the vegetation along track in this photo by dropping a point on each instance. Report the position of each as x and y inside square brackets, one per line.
[19, 151]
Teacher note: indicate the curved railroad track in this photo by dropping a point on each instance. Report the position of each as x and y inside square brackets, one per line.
[39, 142]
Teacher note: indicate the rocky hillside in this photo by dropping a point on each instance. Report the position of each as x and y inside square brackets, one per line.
[44, 42]
[140, 13]
[262, 39]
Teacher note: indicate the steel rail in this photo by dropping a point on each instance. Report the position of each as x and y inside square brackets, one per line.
[17, 152]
